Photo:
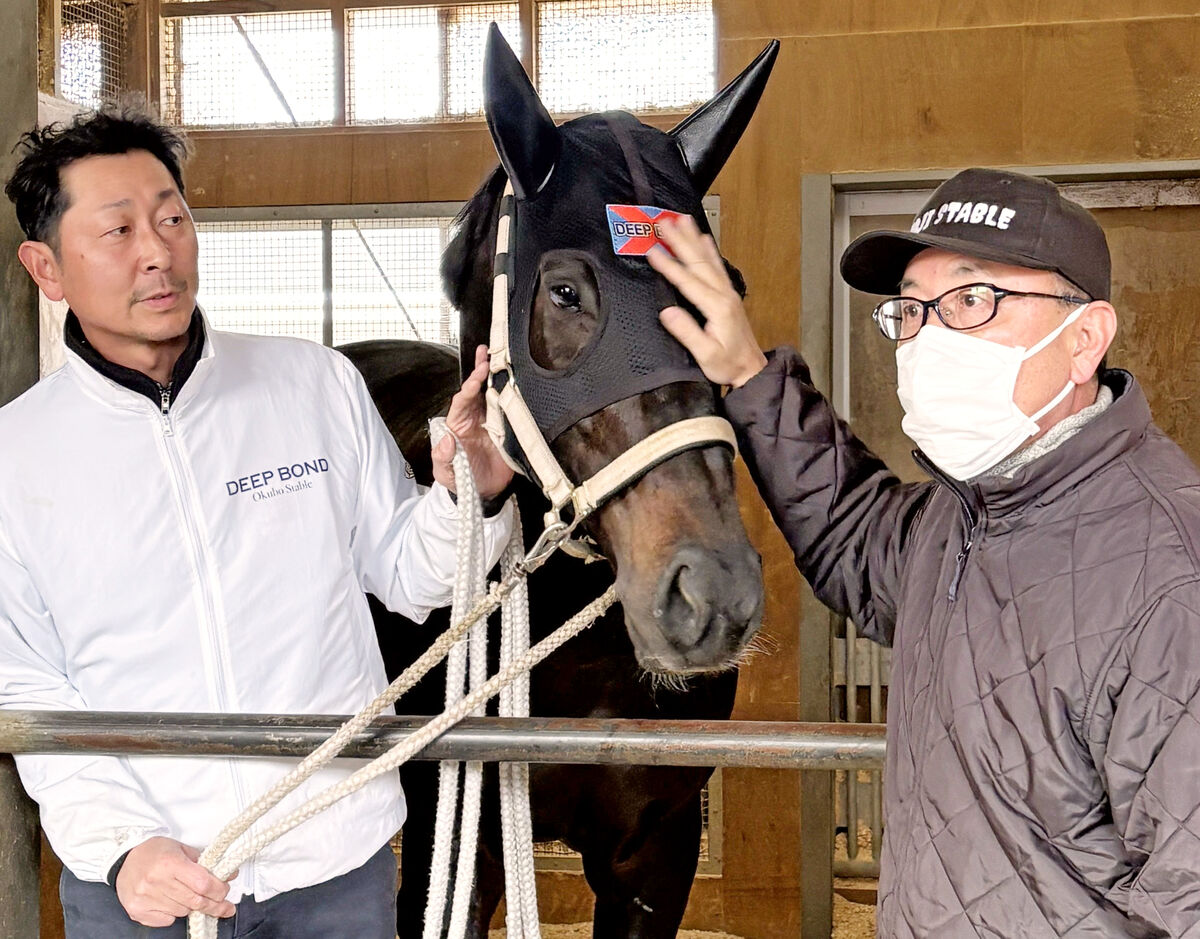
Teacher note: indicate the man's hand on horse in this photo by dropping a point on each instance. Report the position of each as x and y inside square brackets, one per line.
[161, 881]
[465, 423]
[724, 347]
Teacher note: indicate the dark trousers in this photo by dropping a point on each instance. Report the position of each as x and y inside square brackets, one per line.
[360, 904]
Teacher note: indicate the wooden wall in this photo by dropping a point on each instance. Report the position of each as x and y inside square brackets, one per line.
[860, 85]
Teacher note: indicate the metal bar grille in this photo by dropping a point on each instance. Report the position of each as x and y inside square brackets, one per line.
[91, 51]
[641, 55]
[861, 671]
[260, 69]
[420, 63]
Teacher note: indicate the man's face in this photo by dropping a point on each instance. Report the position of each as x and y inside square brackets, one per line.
[126, 253]
[1020, 321]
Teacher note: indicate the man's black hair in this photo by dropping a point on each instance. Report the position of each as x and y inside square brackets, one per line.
[35, 187]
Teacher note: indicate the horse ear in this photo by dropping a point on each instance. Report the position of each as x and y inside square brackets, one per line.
[521, 127]
[708, 135]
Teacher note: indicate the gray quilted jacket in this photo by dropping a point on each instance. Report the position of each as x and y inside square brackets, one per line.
[1043, 767]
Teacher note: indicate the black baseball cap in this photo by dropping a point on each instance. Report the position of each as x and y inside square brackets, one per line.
[996, 216]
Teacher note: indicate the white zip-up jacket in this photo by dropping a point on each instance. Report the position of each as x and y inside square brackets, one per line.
[211, 558]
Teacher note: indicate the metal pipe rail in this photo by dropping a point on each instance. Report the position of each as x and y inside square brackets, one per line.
[773, 745]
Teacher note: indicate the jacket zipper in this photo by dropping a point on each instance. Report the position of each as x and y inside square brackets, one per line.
[970, 517]
[200, 562]
[164, 396]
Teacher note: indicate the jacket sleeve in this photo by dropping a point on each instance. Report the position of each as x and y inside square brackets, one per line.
[404, 535]
[844, 514]
[67, 787]
[1150, 758]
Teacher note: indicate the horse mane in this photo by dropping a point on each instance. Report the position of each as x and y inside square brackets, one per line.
[466, 266]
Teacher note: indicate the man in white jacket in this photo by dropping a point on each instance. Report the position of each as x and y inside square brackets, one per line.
[188, 520]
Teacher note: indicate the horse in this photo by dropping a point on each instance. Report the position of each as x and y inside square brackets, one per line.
[689, 582]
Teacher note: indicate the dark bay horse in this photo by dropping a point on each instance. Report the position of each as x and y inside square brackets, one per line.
[689, 582]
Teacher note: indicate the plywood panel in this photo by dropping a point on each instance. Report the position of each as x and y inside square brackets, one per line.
[739, 19]
[762, 854]
[1156, 280]
[337, 167]
[1122, 91]
[908, 99]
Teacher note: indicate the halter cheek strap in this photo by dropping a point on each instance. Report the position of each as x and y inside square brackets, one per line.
[507, 410]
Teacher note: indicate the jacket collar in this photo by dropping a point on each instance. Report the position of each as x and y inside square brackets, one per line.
[1114, 432]
[125, 387]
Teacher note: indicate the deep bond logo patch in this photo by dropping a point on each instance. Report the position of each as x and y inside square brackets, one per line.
[278, 481]
[634, 228]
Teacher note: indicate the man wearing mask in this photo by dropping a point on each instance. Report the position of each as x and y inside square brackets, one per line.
[1041, 592]
[188, 520]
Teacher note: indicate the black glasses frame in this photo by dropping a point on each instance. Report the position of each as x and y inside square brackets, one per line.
[934, 304]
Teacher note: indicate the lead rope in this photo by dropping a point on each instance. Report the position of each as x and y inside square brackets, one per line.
[229, 850]
[469, 653]
[516, 823]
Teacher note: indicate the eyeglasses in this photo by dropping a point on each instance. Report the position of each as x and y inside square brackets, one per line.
[967, 307]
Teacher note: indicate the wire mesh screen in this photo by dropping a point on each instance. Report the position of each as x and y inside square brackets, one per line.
[263, 277]
[269, 278]
[386, 282]
[248, 70]
[641, 55]
[91, 51]
[420, 63]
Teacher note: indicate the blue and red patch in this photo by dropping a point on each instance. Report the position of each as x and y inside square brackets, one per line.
[634, 228]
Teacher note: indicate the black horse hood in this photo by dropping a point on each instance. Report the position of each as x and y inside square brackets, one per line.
[565, 180]
[615, 173]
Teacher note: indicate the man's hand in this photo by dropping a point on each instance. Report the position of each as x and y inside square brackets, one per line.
[161, 881]
[724, 347]
[465, 422]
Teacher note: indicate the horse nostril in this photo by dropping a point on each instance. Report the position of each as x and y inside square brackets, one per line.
[682, 606]
[707, 597]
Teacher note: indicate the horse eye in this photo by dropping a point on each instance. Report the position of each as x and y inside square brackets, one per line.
[564, 297]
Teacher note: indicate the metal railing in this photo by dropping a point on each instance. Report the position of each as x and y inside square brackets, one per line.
[774, 745]
[778, 745]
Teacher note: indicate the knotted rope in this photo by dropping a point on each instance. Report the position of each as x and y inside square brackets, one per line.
[229, 850]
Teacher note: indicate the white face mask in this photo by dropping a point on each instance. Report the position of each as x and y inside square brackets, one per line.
[957, 394]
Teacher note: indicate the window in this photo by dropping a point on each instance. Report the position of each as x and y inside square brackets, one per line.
[254, 69]
[383, 63]
[420, 63]
[333, 279]
[594, 55]
[91, 51]
[334, 274]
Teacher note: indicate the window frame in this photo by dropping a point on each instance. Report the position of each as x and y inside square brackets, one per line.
[156, 11]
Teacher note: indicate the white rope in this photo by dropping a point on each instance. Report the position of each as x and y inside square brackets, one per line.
[516, 824]
[229, 850]
[468, 586]
[410, 746]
